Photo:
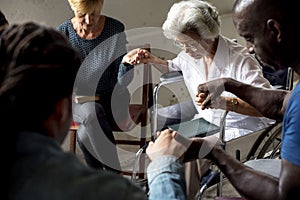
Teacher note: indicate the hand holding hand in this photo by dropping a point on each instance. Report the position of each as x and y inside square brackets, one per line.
[209, 92]
[136, 56]
[168, 142]
[219, 102]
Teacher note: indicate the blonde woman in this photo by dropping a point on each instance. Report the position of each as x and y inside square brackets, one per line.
[101, 42]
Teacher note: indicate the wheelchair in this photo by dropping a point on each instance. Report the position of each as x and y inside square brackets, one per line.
[262, 144]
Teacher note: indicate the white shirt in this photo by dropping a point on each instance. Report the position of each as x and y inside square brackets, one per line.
[231, 60]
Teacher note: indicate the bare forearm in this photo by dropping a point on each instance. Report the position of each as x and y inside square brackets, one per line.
[161, 65]
[244, 179]
[269, 102]
[241, 107]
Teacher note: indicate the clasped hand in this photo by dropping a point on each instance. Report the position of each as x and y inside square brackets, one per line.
[209, 94]
[170, 142]
[136, 56]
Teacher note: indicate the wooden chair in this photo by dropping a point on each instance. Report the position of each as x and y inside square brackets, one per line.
[138, 113]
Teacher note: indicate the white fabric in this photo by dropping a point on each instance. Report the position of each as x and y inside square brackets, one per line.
[269, 166]
[231, 60]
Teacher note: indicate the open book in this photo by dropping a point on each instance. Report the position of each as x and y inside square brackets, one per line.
[196, 128]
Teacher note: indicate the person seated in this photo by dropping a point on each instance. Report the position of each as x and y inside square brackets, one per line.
[102, 80]
[206, 54]
[275, 40]
[38, 69]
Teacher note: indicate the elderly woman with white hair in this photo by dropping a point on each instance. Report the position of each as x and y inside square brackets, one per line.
[206, 54]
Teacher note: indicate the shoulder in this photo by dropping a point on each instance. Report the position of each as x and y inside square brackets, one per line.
[239, 53]
[236, 48]
[65, 26]
[115, 23]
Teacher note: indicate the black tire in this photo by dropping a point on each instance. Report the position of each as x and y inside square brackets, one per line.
[272, 145]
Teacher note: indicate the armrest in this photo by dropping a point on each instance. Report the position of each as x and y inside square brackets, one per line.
[171, 76]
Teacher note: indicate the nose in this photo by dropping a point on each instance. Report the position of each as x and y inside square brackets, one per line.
[87, 19]
[250, 48]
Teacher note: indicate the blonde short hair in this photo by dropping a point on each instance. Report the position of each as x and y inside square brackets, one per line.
[85, 6]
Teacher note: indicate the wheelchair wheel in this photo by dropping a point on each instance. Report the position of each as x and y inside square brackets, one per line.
[271, 147]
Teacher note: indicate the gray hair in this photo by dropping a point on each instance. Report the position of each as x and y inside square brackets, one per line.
[192, 15]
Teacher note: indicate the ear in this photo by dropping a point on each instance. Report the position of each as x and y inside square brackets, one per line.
[275, 29]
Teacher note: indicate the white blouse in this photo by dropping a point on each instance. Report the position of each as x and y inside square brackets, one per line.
[231, 60]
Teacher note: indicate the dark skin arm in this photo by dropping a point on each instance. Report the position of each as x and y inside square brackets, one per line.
[251, 184]
[269, 102]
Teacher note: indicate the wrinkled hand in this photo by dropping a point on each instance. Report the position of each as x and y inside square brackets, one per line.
[168, 142]
[209, 92]
[137, 56]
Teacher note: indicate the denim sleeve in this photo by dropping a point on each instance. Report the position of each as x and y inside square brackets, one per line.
[125, 74]
[166, 178]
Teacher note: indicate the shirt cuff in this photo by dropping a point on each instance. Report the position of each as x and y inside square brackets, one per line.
[164, 164]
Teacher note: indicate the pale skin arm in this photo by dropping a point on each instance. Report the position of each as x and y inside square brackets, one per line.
[138, 55]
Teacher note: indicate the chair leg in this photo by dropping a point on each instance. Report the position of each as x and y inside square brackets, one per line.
[73, 134]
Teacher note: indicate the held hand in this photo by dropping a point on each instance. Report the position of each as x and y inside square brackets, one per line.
[169, 142]
[219, 102]
[133, 56]
[137, 56]
[209, 92]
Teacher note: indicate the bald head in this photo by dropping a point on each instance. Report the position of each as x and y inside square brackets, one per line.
[281, 10]
[271, 31]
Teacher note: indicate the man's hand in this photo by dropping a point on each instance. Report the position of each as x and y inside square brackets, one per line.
[209, 92]
[168, 142]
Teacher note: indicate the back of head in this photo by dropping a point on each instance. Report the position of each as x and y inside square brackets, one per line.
[37, 69]
[192, 15]
[275, 23]
[3, 21]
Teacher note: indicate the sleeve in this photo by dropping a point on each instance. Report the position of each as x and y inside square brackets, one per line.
[174, 65]
[125, 75]
[166, 178]
[126, 72]
[252, 73]
[291, 130]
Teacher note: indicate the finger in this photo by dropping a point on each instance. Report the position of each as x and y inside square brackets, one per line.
[202, 88]
[206, 103]
[174, 133]
[158, 134]
[203, 94]
[149, 147]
